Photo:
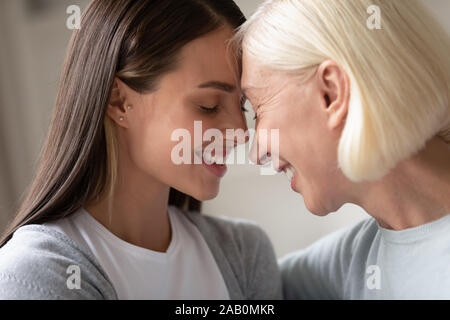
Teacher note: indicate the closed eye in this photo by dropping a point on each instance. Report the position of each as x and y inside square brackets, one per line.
[209, 109]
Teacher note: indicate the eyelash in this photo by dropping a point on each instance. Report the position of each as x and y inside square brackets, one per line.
[216, 108]
[209, 110]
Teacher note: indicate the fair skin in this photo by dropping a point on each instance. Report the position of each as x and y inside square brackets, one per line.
[311, 115]
[204, 87]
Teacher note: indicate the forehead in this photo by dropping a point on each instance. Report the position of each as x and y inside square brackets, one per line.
[253, 75]
[258, 81]
[209, 57]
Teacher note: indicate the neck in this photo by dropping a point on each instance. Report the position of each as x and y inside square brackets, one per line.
[138, 211]
[416, 192]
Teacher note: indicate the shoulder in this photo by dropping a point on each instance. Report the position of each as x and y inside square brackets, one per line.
[343, 243]
[321, 269]
[356, 239]
[347, 239]
[38, 261]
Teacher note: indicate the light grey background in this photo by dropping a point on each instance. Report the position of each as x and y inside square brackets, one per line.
[33, 40]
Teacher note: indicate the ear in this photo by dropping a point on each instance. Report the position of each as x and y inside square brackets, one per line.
[116, 106]
[335, 89]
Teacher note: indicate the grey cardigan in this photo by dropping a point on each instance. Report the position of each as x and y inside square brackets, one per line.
[34, 262]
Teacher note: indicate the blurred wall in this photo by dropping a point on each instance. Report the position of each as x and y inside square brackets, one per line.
[33, 40]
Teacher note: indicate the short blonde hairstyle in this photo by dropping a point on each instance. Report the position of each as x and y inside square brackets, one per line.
[399, 74]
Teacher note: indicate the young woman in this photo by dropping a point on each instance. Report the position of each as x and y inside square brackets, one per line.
[108, 214]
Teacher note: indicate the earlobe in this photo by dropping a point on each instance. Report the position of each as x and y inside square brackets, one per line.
[116, 115]
[338, 116]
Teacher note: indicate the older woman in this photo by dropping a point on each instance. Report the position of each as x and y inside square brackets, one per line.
[364, 118]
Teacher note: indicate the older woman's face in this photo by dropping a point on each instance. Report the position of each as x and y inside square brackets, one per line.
[308, 135]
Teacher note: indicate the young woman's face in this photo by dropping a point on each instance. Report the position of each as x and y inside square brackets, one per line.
[203, 88]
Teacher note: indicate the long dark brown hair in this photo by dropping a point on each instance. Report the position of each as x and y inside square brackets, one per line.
[137, 41]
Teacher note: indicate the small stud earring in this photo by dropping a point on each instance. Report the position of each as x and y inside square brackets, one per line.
[129, 107]
[121, 118]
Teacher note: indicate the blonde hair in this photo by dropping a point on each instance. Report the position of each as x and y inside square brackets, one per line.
[399, 74]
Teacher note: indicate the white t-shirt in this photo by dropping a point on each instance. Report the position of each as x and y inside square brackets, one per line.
[187, 270]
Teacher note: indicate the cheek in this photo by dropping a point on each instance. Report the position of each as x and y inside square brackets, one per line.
[152, 131]
[150, 146]
[311, 141]
[317, 177]
[150, 149]
[312, 150]
[315, 160]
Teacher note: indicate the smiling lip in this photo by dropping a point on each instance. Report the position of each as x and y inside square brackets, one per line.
[294, 177]
[219, 170]
[293, 180]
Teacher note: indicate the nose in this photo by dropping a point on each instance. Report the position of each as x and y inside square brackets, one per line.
[239, 127]
[260, 148]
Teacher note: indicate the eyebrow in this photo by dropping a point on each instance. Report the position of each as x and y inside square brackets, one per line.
[218, 85]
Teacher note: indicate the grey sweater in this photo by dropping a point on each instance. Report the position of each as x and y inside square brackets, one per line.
[34, 262]
[366, 261]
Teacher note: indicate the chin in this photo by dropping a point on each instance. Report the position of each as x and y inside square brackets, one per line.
[206, 194]
[317, 208]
